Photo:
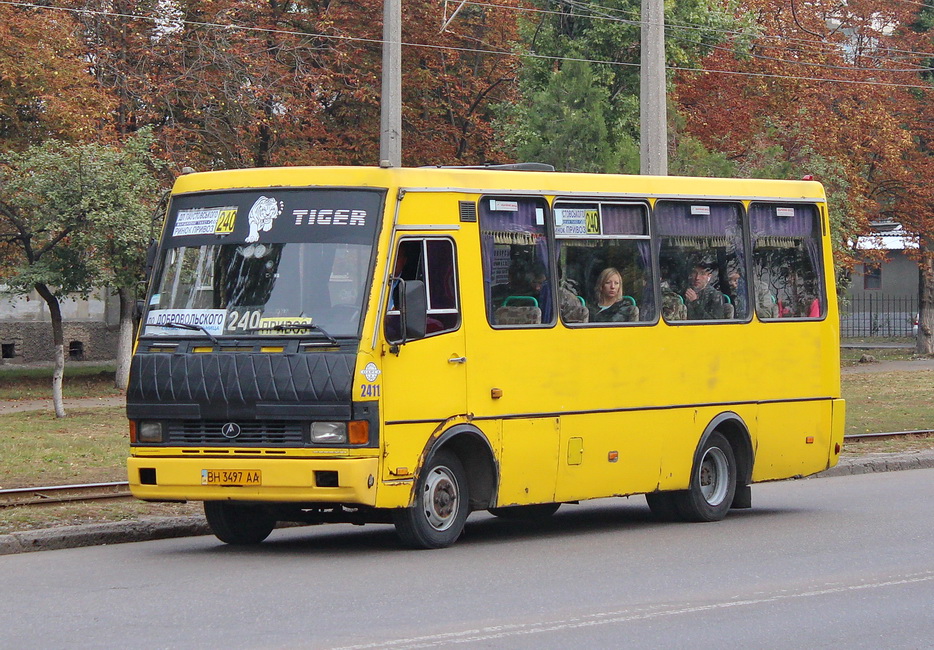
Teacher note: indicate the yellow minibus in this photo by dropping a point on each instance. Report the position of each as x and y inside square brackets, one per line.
[408, 346]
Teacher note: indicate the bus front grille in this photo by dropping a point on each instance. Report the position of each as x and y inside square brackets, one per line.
[267, 433]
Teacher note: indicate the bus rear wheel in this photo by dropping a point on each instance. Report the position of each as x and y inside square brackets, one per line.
[441, 505]
[713, 482]
[239, 524]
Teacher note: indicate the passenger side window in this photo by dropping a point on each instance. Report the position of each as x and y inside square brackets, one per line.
[517, 273]
[604, 263]
[432, 261]
[787, 261]
[701, 260]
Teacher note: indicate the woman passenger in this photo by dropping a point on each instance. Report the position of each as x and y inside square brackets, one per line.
[610, 305]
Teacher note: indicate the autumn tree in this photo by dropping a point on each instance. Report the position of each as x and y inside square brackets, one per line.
[70, 214]
[240, 83]
[45, 86]
[837, 91]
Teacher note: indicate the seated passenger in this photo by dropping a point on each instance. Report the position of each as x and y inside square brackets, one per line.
[610, 305]
[737, 292]
[703, 300]
[570, 305]
[673, 307]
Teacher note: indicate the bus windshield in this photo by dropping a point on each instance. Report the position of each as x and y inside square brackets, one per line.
[286, 262]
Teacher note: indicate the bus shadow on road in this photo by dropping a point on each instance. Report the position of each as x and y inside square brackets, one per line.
[572, 521]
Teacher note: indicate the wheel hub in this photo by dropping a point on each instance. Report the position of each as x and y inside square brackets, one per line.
[713, 476]
[441, 498]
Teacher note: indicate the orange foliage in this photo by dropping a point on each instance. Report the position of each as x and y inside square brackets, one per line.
[820, 79]
[239, 83]
[46, 89]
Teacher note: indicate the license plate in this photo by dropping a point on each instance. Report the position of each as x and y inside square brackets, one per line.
[231, 477]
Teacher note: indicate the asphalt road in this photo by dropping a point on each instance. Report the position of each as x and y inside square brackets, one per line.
[836, 562]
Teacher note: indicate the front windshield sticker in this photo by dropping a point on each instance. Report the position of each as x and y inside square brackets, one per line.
[210, 321]
[278, 325]
[205, 221]
[330, 217]
[262, 214]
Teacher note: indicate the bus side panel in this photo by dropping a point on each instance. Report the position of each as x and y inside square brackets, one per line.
[608, 454]
[678, 432]
[529, 461]
[794, 439]
[403, 445]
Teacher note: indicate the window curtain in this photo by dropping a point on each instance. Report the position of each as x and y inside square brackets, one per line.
[519, 227]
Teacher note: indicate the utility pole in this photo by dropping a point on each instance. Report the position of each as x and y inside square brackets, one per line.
[653, 118]
[390, 118]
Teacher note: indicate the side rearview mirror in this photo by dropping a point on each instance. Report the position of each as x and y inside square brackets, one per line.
[414, 310]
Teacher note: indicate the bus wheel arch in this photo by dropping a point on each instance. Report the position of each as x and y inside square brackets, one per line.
[457, 475]
[732, 427]
[721, 471]
[440, 504]
[475, 453]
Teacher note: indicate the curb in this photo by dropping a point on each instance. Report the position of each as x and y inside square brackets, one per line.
[153, 528]
[872, 463]
[142, 530]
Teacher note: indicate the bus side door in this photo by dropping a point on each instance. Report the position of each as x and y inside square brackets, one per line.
[424, 380]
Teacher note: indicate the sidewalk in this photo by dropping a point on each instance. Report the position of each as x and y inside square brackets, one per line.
[889, 366]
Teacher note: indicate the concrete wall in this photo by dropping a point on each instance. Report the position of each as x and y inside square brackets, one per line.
[899, 278]
[90, 328]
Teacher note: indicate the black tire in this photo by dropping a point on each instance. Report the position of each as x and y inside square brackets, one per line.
[238, 523]
[713, 482]
[526, 513]
[664, 505]
[442, 504]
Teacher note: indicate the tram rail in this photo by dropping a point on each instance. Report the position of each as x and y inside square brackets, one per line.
[36, 496]
[889, 434]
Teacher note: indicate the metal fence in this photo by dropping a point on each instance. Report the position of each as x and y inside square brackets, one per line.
[878, 316]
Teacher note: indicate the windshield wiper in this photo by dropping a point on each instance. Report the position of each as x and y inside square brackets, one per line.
[186, 326]
[292, 327]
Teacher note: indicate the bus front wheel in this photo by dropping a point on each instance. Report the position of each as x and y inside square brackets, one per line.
[713, 482]
[441, 505]
[238, 523]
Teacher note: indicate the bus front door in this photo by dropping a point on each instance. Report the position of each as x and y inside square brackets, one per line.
[424, 381]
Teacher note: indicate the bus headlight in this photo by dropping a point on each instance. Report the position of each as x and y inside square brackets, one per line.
[329, 432]
[149, 432]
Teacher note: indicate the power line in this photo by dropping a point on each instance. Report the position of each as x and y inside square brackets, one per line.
[266, 30]
[598, 15]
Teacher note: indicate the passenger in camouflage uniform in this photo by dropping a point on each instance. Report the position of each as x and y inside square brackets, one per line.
[673, 307]
[703, 301]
